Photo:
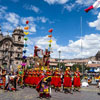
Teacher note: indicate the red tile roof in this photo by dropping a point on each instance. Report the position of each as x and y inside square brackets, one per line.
[53, 64]
[93, 65]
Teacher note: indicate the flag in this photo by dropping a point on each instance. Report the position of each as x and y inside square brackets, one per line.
[27, 22]
[50, 30]
[49, 36]
[26, 33]
[50, 41]
[95, 5]
[25, 45]
[24, 51]
[49, 45]
[26, 28]
[25, 38]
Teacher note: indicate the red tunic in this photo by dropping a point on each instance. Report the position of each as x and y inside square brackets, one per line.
[52, 81]
[57, 79]
[32, 79]
[67, 80]
[36, 78]
[77, 82]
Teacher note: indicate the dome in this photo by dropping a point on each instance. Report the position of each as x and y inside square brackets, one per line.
[18, 30]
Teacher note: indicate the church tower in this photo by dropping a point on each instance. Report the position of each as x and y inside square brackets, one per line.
[18, 38]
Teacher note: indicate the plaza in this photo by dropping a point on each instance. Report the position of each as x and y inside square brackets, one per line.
[87, 93]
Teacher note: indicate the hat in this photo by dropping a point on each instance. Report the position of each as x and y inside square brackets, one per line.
[35, 46]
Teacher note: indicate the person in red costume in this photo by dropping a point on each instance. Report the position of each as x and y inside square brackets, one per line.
[77, 80]
[36, 49]
[32, 79]
[67, 84]
[57, 80]
[46, 57]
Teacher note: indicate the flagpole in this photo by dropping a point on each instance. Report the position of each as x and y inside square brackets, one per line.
[81, 41]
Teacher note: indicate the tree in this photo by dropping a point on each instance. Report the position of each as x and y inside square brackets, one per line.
[73, 68]
[62, 66]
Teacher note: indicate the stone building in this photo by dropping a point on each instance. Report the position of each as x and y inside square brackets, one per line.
[11, 48]
[98, 56]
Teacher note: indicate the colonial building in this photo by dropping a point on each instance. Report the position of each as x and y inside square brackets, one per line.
[98, 56]
[11, 48]
[93, 61]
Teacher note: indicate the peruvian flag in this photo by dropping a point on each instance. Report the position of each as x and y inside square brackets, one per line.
[95, 5]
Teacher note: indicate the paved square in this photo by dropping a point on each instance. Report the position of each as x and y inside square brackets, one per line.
[88, 93]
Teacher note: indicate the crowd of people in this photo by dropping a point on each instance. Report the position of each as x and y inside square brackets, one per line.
[41, 77]
[8, 80]
[42, 80]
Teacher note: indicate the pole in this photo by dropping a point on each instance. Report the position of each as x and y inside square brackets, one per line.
[81, 44]
[59, 59]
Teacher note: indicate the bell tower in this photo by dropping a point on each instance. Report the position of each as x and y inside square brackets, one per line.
[18, 35]
[18, 38]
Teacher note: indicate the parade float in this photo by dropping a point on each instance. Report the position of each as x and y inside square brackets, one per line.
[41, 61]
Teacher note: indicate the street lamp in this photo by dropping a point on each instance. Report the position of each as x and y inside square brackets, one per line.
[59, 58]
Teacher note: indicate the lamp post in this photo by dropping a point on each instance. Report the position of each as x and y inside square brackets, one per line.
[59, 58]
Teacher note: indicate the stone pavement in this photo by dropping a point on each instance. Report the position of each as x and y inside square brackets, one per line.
[88, 93]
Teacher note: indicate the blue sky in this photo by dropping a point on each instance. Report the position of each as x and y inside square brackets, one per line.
[61, 15]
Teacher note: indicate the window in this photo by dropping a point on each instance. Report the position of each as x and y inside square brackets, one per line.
[11, 46]
[19, 48]
[6, 52]
[18, 55]
[11, 54]
[19, 38]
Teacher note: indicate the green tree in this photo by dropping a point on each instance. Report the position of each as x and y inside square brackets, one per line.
[73, 68]
[62, 66]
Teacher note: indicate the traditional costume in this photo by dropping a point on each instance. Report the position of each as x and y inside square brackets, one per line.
[44, 87]
[57, 81]
[67, 84]
[77, 80]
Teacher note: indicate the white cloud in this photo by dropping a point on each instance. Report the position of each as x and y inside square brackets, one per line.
[96, 23]
[69, 7]
[84, 2]
[30, 19]
[2, 11]
[42, 19]
[79, 4]
[32, 7]
[32, 29]
[12, 18]
[90, 46]
[56, 1]
[7, 26]
[35, 9]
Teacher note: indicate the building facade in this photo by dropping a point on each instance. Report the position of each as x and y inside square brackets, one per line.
[11, 48]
